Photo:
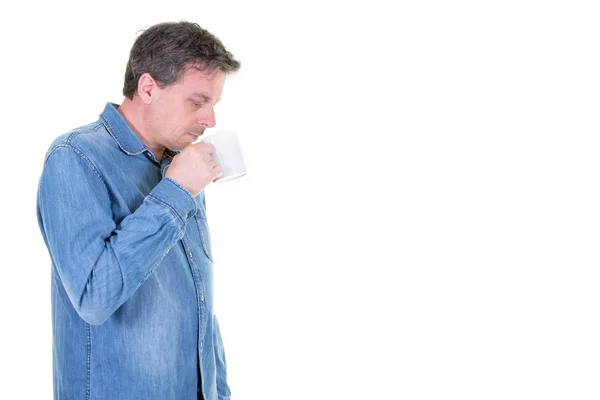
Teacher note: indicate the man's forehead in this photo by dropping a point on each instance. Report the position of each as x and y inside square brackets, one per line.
[195, 81]
[205, 84]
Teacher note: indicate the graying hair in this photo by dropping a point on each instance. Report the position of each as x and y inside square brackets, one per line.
[163, 50]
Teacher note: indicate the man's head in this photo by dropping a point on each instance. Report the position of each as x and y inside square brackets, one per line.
[174, 77]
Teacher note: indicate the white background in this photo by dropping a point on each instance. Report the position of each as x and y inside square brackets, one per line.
[421, 215]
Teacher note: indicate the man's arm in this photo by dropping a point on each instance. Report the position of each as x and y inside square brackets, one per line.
[101, 264]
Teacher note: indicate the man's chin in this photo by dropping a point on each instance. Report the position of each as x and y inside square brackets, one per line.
[181, 146]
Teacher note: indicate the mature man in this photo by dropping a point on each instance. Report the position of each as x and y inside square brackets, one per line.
[122, 211]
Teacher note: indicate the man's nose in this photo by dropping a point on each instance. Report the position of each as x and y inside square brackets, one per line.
[207, 118]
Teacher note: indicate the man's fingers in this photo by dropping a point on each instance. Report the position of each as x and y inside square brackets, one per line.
[218, 171]
[212, 164]
[205, 147]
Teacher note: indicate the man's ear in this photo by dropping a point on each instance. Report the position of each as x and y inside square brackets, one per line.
[147, 87]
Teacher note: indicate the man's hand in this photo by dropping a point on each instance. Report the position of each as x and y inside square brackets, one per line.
[193, 168]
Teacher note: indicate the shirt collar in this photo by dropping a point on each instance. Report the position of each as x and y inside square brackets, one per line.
[120, 130]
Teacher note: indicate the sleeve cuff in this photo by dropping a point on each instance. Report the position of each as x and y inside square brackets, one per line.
[172, 195]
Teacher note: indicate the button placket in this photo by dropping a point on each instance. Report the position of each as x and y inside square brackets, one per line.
[199, 289]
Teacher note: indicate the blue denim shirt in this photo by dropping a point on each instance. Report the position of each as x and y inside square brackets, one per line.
[132, 278]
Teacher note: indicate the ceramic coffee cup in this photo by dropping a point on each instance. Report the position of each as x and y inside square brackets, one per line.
[227, 153]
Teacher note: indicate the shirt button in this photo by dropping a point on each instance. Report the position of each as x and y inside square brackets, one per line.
[191, 256]
[202, 298]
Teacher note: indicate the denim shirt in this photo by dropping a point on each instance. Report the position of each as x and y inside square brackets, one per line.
[132, 278]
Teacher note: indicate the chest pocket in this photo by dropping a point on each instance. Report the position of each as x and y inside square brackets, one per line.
[202, 225]
[204, 235]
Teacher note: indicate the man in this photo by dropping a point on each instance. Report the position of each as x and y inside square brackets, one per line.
[122, 211]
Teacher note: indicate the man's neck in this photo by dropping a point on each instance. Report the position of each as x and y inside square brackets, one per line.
[134, 116]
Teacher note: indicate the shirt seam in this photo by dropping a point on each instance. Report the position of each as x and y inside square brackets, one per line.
[88, 374]
[77, 151]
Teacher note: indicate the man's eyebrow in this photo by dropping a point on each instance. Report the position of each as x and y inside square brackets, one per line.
[205, 97]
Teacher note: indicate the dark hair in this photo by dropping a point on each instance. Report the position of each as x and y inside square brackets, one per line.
[163, 50]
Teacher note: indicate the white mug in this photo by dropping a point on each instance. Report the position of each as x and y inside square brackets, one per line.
[227, 154]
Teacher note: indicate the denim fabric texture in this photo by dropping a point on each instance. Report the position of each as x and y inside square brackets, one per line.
[132, 271]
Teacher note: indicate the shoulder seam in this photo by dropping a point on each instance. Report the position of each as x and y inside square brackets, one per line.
[69, 145]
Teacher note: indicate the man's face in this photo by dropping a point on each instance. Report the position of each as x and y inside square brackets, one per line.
[182, 110]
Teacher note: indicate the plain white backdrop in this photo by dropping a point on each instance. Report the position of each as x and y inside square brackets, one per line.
[420, 218]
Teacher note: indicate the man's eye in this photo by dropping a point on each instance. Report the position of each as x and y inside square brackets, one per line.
[197, 104]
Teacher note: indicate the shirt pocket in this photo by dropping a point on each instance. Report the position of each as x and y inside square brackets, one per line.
[202, 225]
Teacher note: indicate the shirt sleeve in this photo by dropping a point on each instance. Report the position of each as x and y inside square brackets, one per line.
[102, 264]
